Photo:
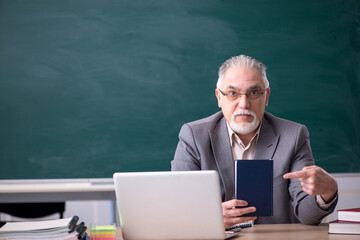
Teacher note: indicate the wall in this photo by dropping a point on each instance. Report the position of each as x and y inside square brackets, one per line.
[349, 193]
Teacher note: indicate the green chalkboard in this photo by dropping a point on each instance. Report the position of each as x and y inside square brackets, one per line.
[90, 87]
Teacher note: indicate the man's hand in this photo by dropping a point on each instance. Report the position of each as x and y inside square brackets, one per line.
[315, 181]
[232, 215]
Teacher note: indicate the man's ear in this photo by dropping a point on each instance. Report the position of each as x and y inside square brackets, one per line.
[218, 96]
[267, 96]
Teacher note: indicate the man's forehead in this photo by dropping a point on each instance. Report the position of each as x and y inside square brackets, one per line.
[243, 78]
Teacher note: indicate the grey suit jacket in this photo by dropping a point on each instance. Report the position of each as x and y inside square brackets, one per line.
[205, 145]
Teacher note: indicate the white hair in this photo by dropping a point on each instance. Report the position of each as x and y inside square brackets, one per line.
[242, 61]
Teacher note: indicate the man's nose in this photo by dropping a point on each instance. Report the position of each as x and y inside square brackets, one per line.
[243, 101]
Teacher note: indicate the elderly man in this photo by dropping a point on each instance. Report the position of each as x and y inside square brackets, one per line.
[303, 192]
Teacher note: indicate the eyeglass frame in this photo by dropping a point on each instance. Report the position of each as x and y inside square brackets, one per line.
[240, 94]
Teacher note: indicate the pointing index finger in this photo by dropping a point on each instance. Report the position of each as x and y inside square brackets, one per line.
[297, 174]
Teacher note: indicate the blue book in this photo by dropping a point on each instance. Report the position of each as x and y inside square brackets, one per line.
[254, 184]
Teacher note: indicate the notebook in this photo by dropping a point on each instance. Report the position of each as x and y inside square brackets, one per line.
[254, 184]
[170, 205]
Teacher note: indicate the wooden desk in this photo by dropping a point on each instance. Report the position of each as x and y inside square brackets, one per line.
[284, 232]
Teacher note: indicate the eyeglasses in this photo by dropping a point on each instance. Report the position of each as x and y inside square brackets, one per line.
[252, 94]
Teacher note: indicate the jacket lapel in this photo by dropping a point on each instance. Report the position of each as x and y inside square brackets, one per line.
[267, 143]
[220, 143]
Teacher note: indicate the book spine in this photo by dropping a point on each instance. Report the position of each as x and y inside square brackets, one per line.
[236, 180]
[345, 221]
[357, 210]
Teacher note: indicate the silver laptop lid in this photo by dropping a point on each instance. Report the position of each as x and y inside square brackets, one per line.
[169, 205]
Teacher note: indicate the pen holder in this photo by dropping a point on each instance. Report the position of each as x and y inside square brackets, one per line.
[107, 232]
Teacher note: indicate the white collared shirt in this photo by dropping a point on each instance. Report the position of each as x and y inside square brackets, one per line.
[239, 150]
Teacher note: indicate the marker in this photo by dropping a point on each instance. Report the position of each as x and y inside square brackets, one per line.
[72, 223]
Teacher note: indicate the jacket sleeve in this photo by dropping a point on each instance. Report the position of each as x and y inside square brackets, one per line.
[305, 206]
[186, 156]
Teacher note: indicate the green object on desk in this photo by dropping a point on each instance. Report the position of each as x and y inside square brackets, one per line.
[107, 232]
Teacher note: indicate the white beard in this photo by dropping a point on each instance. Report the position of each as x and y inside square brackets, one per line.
[244, 128]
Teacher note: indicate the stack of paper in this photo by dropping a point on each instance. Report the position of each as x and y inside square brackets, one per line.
[61, 229]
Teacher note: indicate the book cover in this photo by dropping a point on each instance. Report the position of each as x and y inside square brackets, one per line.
[351, 214]
[254, 184]
[338, 227]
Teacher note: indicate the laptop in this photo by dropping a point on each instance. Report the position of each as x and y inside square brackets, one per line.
[170, 205]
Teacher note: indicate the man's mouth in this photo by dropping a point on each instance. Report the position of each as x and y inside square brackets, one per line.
[243, 115]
